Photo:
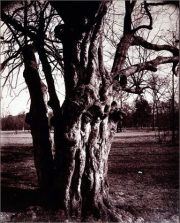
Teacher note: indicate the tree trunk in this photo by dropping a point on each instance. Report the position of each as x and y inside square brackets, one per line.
[88, 121]
[82, 161]
[38, 121]
[173, 112]
[85, 124]
[158, 123]
[153, 115]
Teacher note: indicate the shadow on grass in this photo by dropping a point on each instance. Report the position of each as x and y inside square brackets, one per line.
[26, 205]
[15, 153]
[16, 199]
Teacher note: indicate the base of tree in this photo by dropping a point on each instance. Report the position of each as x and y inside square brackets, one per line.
[38, 213]
[48, 209]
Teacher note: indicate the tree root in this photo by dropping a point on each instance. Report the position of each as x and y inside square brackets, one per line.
[105, 211]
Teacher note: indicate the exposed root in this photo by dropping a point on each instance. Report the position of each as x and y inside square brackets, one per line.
[104, 211]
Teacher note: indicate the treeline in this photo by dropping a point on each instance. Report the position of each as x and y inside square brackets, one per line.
[155, 116]
[140, 114]
[14, 122]
[17, 122]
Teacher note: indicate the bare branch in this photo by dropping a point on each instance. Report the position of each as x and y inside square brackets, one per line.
[101, 12]
[8, 20]
[126, 40]
[142, 42]
[10, 72]
[133, 91]
[149, 65]
[150, 20]
[176, 3]
[4, 63]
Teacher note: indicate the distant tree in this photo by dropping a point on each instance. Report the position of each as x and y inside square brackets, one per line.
[14, 122]
[128, 109]
[158, 89]
[165, 115]
[7, 123]
[142, 113]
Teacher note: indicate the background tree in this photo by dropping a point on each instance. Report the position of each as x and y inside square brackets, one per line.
[85, 124]
[142, 113]
[10, 122]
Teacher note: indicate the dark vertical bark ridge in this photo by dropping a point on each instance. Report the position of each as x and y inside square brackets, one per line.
[38, 121]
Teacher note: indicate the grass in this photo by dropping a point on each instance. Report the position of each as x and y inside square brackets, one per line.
[143, 177]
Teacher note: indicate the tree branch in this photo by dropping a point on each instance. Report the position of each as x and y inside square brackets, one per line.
[16, 66]
[127, 17]
[150, 20]
[133, 91]
[126, 40]
[149, 65]
[8, 20]
[14, 35]
[142, 42]
[4, 63]
[95, 34]
[176, 3]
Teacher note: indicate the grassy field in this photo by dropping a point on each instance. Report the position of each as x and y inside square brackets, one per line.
[143, 178]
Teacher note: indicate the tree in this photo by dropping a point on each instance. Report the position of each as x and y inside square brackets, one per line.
[7, 123]
[85, 124]
[142, 112]
[14, 122]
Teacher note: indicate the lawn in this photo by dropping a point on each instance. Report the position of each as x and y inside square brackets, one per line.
[143, 178]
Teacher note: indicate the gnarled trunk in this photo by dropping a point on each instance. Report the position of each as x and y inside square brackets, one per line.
[87, 123]
[82, 161]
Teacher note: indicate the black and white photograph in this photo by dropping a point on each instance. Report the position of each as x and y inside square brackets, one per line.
[89, 128]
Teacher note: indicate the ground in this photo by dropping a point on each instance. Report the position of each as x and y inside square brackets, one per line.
[143, 178]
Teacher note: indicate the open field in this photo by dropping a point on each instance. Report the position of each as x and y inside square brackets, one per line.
[13, 138]
[143, 177]
[24, 138]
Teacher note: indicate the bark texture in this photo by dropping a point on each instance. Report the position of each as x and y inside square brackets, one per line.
[38, 121]
[88, 116]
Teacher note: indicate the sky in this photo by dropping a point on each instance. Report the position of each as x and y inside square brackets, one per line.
[15, 97]
[15, 100]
